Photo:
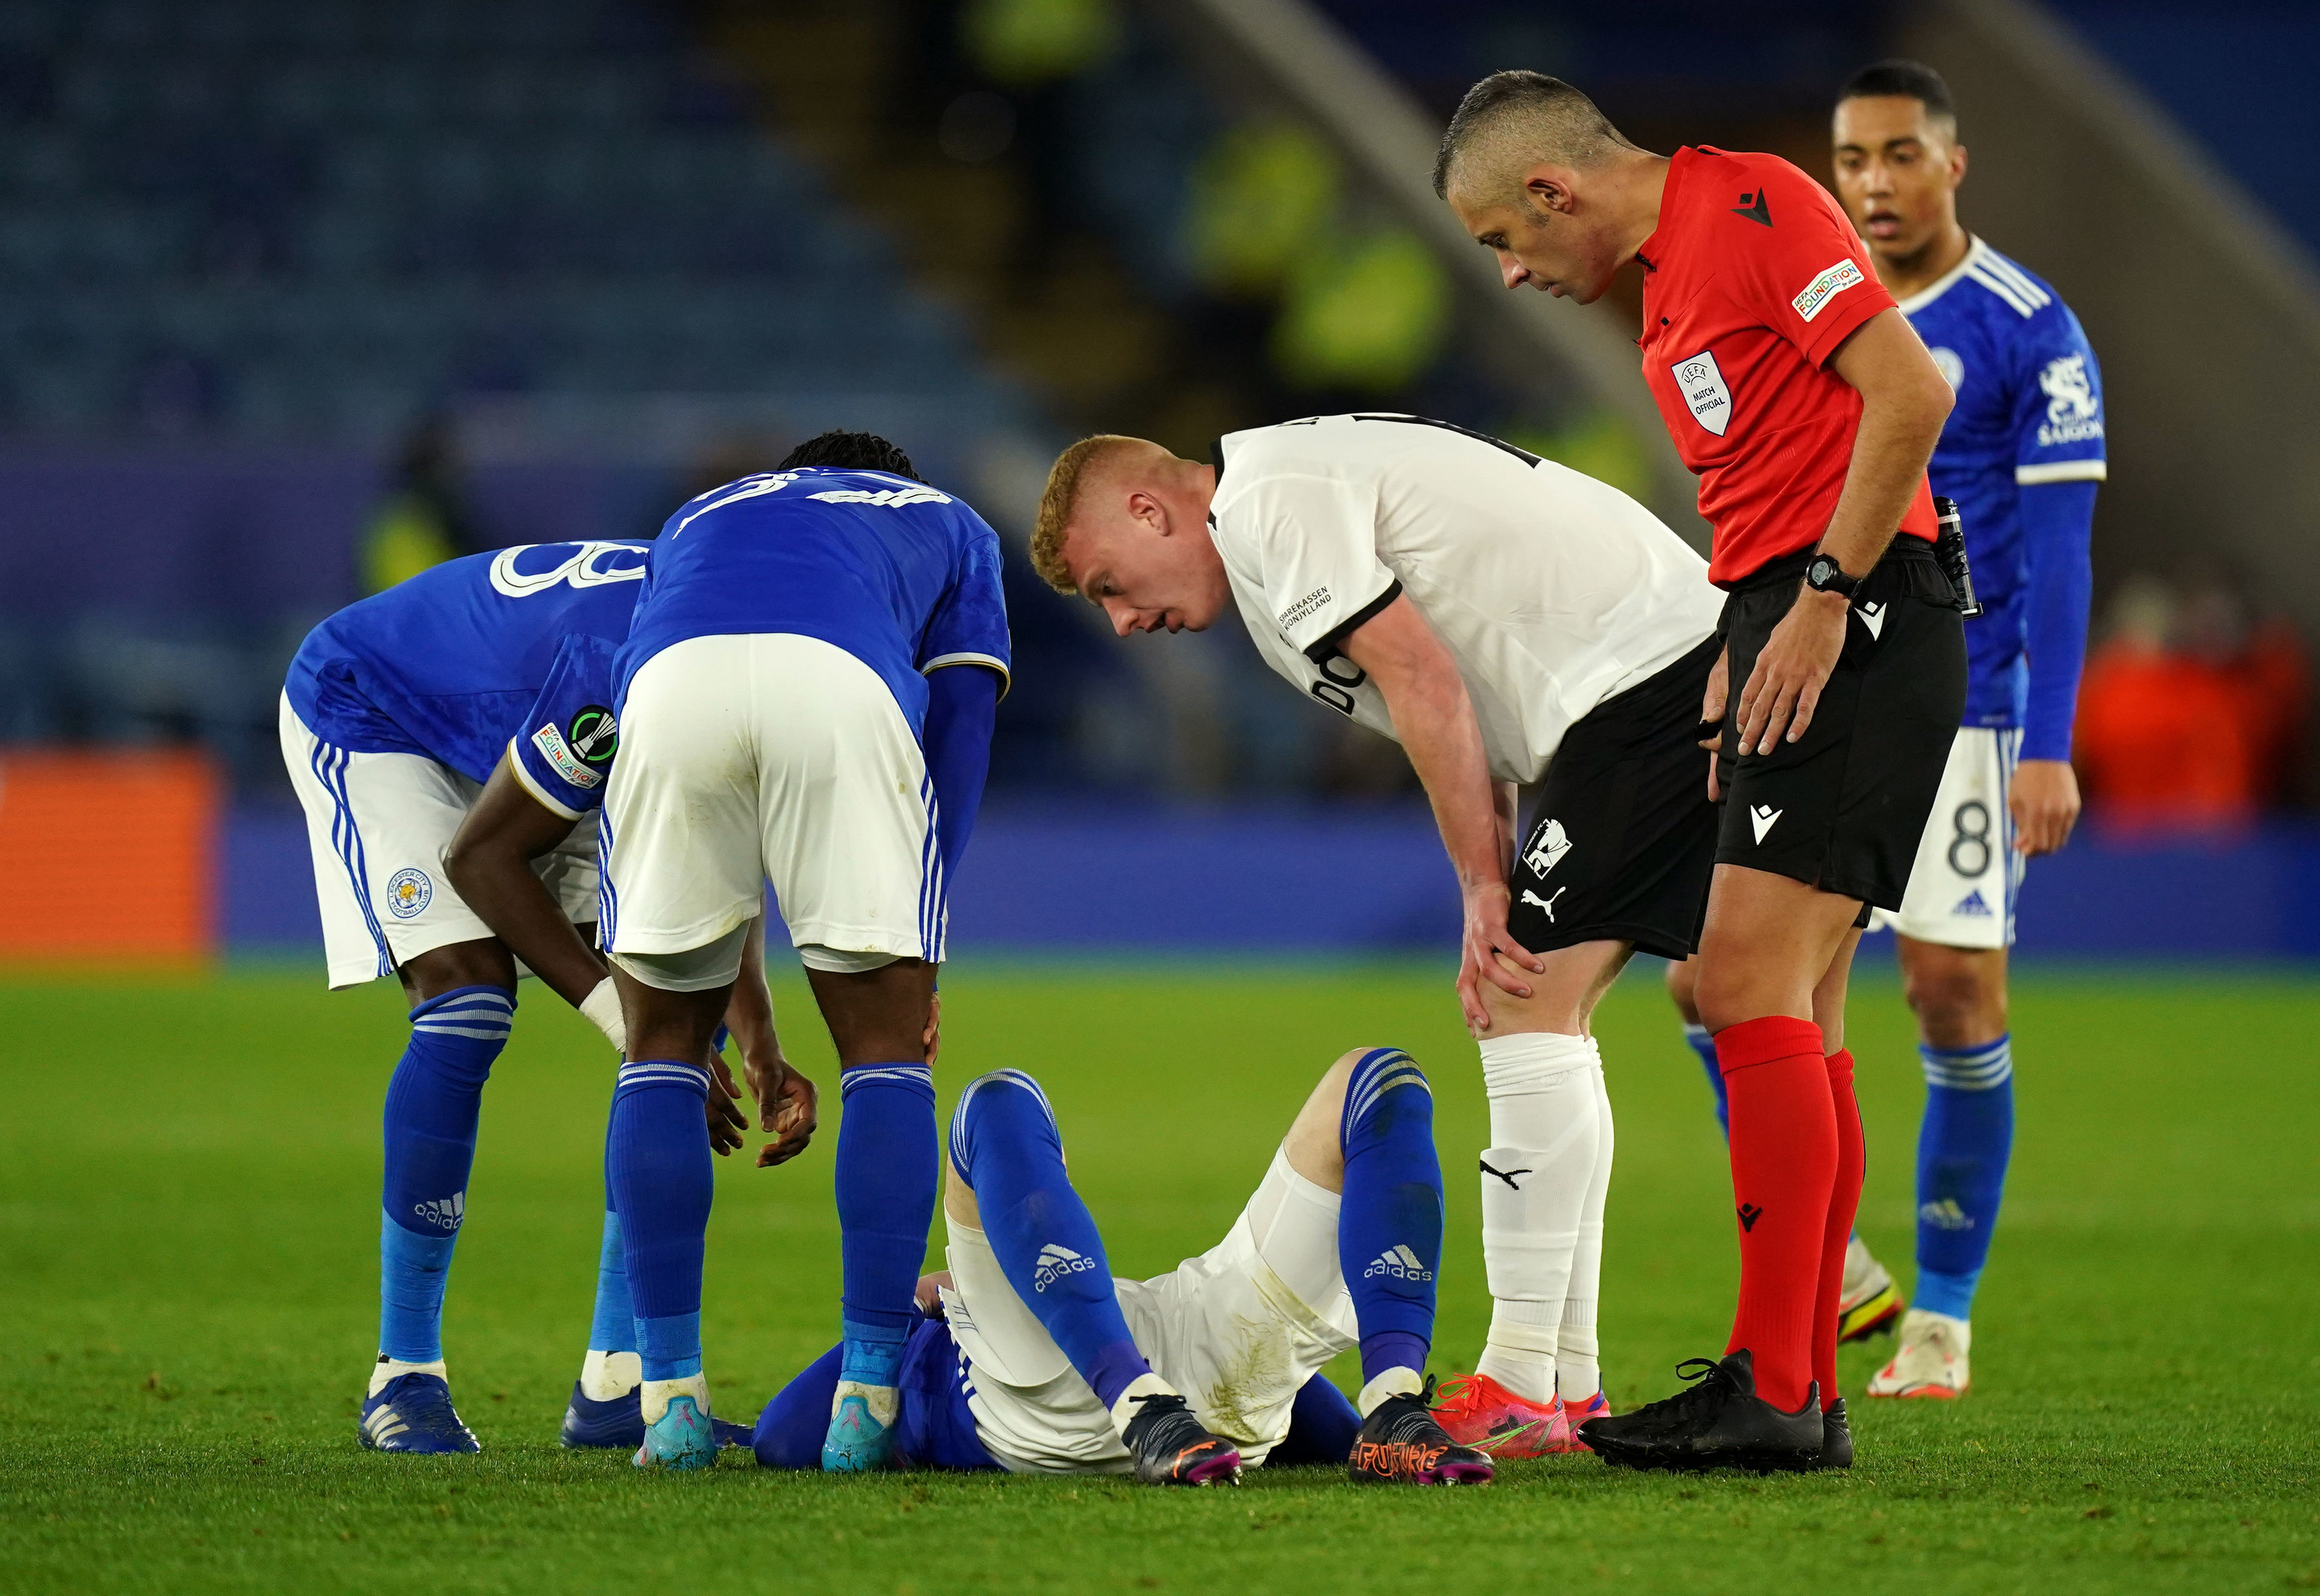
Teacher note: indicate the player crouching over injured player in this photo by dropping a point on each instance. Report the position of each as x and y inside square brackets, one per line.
[1036, 1360]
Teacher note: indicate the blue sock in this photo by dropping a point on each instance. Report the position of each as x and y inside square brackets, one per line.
[1962, 1147]
[1696, 1038]
[1390, 1220]
[1323, 1427]
[1004, 1145]
[657, 1162]
[431, 1106]
[887, 1164]
[613, 1327]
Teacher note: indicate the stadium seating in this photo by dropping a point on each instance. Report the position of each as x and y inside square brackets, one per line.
[271, 219]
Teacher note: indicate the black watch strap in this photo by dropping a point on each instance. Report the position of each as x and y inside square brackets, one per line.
[1825, 576]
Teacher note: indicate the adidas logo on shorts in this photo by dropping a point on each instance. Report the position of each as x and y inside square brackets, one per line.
[444, 1212]
[1056, 1261]
[1397, 1263]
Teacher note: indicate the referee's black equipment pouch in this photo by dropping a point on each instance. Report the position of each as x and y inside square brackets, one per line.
[1949, 548]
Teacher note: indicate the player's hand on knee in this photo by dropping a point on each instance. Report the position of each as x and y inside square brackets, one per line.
[788, 1106]
[1487, 938]
[1784, 688]
[2045, 800]
[727, 1126]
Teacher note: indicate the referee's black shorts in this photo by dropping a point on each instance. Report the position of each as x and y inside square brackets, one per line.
[1618, 838]
[1843, 807]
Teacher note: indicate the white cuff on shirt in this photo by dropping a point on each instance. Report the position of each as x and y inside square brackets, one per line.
[554, 805]
[2062, 471]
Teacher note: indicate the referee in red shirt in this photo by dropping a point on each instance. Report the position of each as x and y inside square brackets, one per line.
[1808, 408]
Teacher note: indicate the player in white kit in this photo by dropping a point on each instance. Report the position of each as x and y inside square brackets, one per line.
[1034, 1359]
[1540, 645]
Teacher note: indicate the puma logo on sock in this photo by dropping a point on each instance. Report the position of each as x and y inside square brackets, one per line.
[1507, 1176]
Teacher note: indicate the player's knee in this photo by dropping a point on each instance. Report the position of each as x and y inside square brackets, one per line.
[1004, 1108]
[1957, 1001]
[486, 962]
[1682, 988]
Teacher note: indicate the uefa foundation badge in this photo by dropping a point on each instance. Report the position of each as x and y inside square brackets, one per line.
[408, 893]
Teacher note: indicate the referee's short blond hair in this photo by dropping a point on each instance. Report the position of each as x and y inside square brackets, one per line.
[1061, 499]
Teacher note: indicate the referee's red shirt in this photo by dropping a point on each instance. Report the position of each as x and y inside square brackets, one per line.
[1750, 281]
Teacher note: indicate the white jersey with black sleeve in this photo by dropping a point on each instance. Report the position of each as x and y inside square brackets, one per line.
[1552, 591]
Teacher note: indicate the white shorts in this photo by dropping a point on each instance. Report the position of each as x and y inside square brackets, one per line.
[762, 757]
[1239, 1331]
[1962, 887]
[377, 825]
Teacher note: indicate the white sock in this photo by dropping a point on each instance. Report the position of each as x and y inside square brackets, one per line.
[1579, 1375]
[1126, 1407]
[387, 1369]
[604, 1375]
[1545, 1125]
[1395, 1381]
[655, 1395]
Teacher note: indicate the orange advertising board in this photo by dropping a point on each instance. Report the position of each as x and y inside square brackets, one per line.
[108, 855]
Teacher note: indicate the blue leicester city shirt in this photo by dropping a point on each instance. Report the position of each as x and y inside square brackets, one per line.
[505, 652]
[903, 577]
[2029, 413]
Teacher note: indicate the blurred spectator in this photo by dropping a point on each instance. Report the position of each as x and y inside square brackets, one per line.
[425, 521]
[2190, 716]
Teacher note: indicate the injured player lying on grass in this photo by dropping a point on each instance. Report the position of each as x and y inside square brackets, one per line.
[1032, 1358]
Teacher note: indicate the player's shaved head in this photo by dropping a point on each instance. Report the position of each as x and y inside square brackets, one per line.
[1512, 121]
[1105, 459]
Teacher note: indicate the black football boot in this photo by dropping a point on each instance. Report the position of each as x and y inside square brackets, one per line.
[1719, 1422]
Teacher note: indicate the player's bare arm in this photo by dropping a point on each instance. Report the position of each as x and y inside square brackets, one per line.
[490, 862]
[1434, 721]
[1904, 399]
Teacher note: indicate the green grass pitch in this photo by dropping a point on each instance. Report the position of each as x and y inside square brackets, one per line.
[189, 1212]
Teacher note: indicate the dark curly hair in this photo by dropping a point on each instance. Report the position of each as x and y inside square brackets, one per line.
[851, 451]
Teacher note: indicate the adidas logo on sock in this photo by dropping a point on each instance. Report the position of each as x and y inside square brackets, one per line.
[1399, 1263]
[1945, 1215]
[444, 1212]
[1056, 1261]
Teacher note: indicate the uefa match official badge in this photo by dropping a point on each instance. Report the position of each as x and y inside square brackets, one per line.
[1701, 384]
[409, 891]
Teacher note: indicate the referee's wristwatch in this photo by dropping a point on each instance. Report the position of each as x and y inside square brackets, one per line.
[1825, 576]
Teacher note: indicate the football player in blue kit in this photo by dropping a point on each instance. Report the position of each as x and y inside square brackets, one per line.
[806, 696]
[2021, 455]
[396, 712]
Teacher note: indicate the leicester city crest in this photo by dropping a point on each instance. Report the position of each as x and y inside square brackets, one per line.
[408, 893]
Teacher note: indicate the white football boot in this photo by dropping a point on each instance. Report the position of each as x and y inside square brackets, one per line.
[1867, 1303]
[1931, 1361]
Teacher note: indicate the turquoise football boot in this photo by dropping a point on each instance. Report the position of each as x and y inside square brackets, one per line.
[861, 1436]
[681, 1438]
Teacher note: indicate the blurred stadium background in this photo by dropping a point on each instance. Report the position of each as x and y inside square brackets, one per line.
[297, 296]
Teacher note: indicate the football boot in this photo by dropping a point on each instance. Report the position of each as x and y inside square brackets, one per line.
[618, 1423]
[1402, 1444]
[1835, 1437]
[1719, 1422]
[1170, 1448]
[413, 1413]
[680, 1438]
[1570, 1417]
[1930, 1360]
[1477, 1411]
[861, 1436]
[1867, 1303]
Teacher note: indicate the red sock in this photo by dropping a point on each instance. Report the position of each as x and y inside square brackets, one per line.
[1844, 1204]
[1783, 1169]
